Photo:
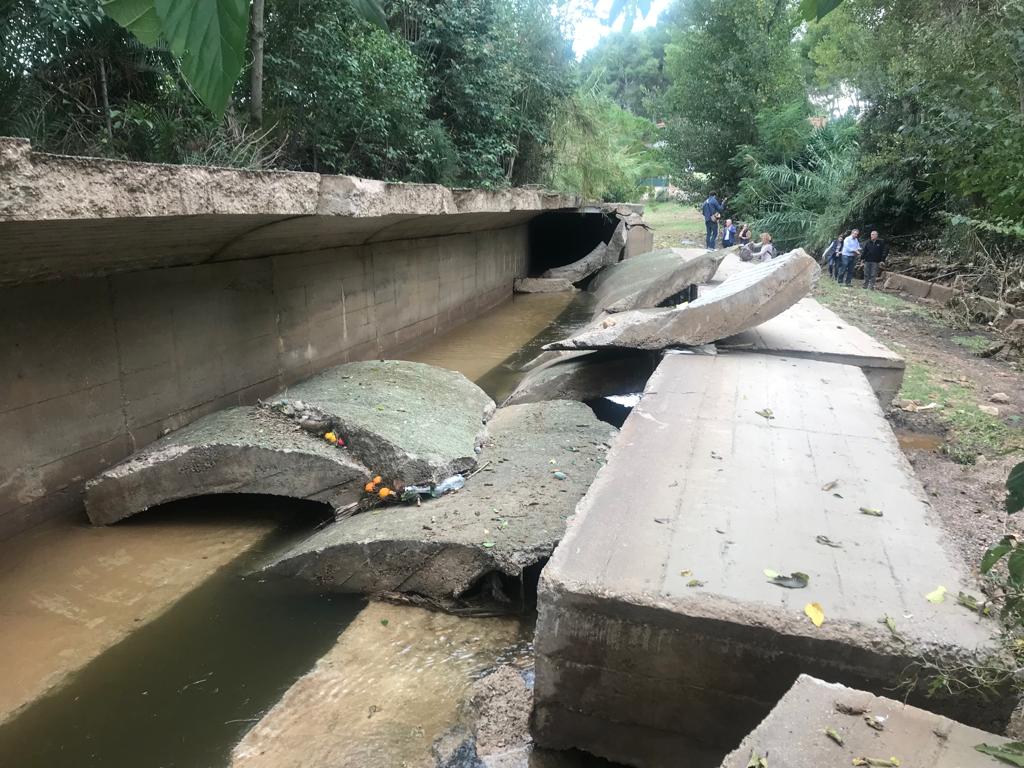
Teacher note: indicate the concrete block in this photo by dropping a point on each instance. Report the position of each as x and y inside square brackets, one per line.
[907, 284]
[586, 376]
[648, 280]
[793, 735]
[657, 626]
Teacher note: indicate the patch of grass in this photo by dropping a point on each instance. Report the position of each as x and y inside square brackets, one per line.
[673, 222]
[830, 293]
[973, 343]
[972, 432]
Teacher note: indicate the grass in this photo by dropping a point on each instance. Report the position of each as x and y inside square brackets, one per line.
[830, 293]
[973, 343]
[674, 222]
[973, 432]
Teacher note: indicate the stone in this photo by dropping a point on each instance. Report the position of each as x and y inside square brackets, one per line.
[586, 376]
[509, 516]
[406, 421]
[1000, 397]
[659, 640]
[649, 280]
[989, 410]
[240, 450]
[741, 302]
[602, 255]
[542, 285]
[793, 734]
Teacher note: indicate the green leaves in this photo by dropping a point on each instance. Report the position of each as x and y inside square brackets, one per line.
[996, 553]
[814, 10]
[1015, 490]
[1011, 753]
[137, 16]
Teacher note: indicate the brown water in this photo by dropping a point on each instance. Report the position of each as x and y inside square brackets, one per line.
[917, 441]
[179, 654]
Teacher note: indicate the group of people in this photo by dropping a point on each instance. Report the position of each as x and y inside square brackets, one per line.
[713, 210]
[843, 253]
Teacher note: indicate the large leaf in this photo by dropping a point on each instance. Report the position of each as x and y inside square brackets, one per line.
[209, 38]
[137, 16]
[1015, 568]
[817, 9]
[1015, 489]
[996, 553]
[1011, 752]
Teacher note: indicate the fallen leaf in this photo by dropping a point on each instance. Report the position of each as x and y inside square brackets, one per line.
[875, 721]
[877, 762]
[662, 520]
[815, 613]
[695, 583]
[383, 622]
[687, 572]
[716, 455]
[829, 486]
[838, 495]
[1011, 752]
[871, 512]
[487, 544]
[768, 572]
[795, 580]
[890, 622]
[971, 602]
[828, 542]
[833, 734]
[756, 761]
[937, 595]
[849, 709]
[765, 413]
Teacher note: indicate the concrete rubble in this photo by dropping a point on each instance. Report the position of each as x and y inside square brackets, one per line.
[410, 421]
[585, 376]
[509, 517]
[741, 302]
[659, 635]
[542, 285]
[795, 733]
[602, 256]
[652, 278]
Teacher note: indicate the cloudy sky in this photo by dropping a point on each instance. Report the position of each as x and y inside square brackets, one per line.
[589, 21]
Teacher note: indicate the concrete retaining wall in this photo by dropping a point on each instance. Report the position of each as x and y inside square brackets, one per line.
[135, 298]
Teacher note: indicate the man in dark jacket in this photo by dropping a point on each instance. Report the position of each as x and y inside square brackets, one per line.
[873, 256]
[712, 210]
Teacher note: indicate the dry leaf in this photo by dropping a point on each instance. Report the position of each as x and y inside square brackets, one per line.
[830, 486]
[695, 583]
[937, 595]
[875, 721]
[871, 512]
[849, 709]
[815, 613]
[833, 734]
[828, 542]
[766, 413]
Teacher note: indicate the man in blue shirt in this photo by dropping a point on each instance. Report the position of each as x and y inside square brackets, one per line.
[729, 234]
[712, 209]
[851, 250]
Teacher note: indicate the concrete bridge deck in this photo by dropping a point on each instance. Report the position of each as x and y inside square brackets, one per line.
[659, 635]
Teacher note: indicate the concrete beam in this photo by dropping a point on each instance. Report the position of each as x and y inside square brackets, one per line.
[794, 733]
[647, 280]
[660, 637]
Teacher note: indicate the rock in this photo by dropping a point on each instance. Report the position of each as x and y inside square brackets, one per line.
[1000, 397]
[990, 410]
[542, 285]
[652, 278]
[601, 256]
[743, 301]
[439, 550]
[240, 450]
[586, 376]
[501, 706]
[406, 421]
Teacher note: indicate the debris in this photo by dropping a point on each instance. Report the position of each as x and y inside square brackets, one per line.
[558, 475]
[936, 596]
[487, 544]
[815, 613]
[695, 583]
[875, 721]
[769, 573]
[756, 761]
[877, 762]
[662, 520]
[849, 709]
[830, 485]
[833, 734]
[889, 622]
[870, 512]
[971, 602]
[913, 406]
[765, 413]
[828, 542]
[989, 410]
[1012, 752]
[385, 493]
[1000, 397]
[795, 580]
[449, 484]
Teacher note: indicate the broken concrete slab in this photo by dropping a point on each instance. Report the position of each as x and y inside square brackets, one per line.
[542, 285]
[585, 376]
[659, 636]
[509, 516]
[407, 421]
[602, 256]
[807, 329]
[651, 279]
[741, 302]
[794, 733]
[240, 450]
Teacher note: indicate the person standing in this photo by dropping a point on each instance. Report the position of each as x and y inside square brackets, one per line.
[712, 210]
[830, 257]
[850, 251]
[729, 234]
[744, 235]
[875, 251]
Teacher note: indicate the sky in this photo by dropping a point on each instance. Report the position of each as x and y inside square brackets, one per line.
[590, 22]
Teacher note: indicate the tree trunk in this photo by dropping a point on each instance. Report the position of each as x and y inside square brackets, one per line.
[256, 72]
[105, 97]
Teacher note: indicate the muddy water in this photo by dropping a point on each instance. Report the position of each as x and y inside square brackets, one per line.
[919, 441]
[167, 680]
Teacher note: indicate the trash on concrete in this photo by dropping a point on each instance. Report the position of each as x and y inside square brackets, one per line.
[815, 613]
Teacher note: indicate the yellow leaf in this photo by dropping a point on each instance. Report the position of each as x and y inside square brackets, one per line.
[936, 596]
[815, 613]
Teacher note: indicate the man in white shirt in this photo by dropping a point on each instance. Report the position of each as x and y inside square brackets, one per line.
[851, 250]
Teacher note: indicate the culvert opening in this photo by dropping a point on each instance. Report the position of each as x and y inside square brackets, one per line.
[497, 593]
[558, 238]
[219, 508]
[614, 409]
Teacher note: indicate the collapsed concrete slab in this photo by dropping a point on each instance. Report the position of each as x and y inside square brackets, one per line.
[586, 376]
[659, 635]
[807, 329]
[240, 450]
[795, 733]
[741, 302]
[652, 278]
[409, 422]
[602, 256]
[508, 517]
[542, 285]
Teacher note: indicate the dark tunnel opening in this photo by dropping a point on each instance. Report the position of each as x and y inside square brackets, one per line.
[558, 238]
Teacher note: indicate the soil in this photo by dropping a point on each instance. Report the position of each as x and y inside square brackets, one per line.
[964, 479]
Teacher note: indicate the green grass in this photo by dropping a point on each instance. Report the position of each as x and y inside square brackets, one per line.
[973, 343]
[972, 432]
[673, 222]
[830, 293]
